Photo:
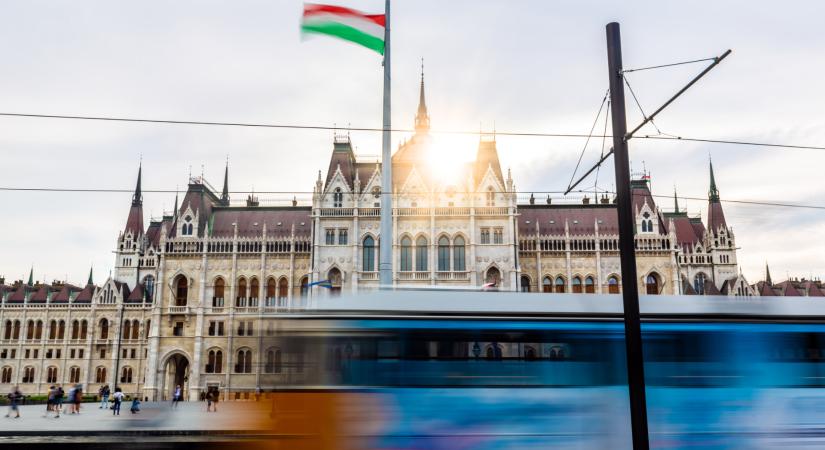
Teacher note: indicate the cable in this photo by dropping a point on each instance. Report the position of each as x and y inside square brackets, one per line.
[732, 142]
[713, 58]
[595, 121]
[582, 191]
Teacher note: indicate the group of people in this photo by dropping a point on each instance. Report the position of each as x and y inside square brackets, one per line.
[117, 400]
[54, 401]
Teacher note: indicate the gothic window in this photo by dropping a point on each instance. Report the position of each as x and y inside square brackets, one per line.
[406, 254]
[652, 284]
[220, 288]
[485, 235]
[61, 330]
[126, 375]
[459, 264]
[443, 254]
[342, 236]
[181, 291]
[546, 285]
[559, 285]
[337, 198]
[491, 197]
[241, 300]
[589, 285]
[30, 329]
[613, 285]
[100, 375]
[493, 277]
[329, 235]
[104, 329]
[28, 375]
[376, 192]
[577, 285]
[254, 291]
[699, 283]
[127, 330]
[215, 362]
[368, 255]
[304, 287]
[244, 364]
[135, 329]
[283, 288]
[186, 228]
[75, 329]
[51, 374]
[6, 375]
[149, 287]
[271, 290]
[525, 283]
[74, 374]
[7, 330]
[421, 254]
[273, 361]
[498, 236]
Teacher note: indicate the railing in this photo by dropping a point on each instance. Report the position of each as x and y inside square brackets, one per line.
[492, 210]
[459, 276]
[335, 212]
[217, 309]
[246, 309]
[58, 305]
[407, 276]
[369, 212]
[452, 211]
[405, 212]
[368, 276]
[136, 305]
[178, 309]
[102, 341]
[218, 302]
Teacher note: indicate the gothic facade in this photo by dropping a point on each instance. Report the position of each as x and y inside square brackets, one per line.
[190, 294]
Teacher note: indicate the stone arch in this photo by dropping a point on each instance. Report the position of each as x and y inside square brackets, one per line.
[493, 275]
[653, 283]
[180, 288]
[525, 282]
[174, 371]
[336, 279]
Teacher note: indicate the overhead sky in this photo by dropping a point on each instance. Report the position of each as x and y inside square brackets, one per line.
[537, 66]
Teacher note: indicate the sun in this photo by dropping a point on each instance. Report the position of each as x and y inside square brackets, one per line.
[446, 161]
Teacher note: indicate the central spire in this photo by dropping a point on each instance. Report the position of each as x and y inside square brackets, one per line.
[713, 193]
[137, 198]
[422, 119]
[225, 192]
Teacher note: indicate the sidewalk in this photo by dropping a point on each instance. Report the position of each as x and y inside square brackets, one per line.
[189, 418]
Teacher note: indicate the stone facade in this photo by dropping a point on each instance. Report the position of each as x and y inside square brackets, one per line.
[191, 294]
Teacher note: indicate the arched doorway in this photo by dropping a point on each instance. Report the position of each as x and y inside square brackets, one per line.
[493, 277]
[175, 373]
[652, 284]
[334, 277]
[181, 291]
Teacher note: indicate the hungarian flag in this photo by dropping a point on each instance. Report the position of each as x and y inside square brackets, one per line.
[345, 23]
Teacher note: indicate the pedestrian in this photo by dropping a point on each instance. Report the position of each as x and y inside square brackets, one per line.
[209, 400]
[78, 397]
[14, 399]
[70, 399]
[58, 401]
[135, 405]
[176, 396]
[104, 396]
[50, 401]
[118, 398]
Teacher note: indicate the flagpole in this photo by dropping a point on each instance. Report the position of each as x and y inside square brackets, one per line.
[385, 239]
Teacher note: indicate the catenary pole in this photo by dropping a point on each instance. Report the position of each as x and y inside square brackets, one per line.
[627, 252]
[385, 240]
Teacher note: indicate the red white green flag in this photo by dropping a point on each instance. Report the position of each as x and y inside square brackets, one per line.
[345, 23]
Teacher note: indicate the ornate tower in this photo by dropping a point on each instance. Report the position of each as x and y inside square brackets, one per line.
[131, 241]
[719, 238]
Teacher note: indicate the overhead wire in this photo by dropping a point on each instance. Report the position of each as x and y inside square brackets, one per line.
[660, 66]
[586, 142]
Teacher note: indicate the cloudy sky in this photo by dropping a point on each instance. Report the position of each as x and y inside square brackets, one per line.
[537, 66]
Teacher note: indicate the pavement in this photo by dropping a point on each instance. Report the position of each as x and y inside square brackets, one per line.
[188, 418]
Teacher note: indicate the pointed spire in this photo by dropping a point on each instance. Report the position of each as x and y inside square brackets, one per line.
[713, 193]
[422, 119]
[90, 276]
[31, 277]
[768, 274]
[137, 198]
[675, 201]
[175, 211]
[225, 192]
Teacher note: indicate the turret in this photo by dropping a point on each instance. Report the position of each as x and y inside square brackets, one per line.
[422, 119]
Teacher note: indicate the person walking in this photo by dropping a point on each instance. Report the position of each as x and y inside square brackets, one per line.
[50, 401]
[58, 401]
[176, 396]
[104, 396]
[209, 398]
[14, 399]
[78, 398]
[118, 398]
[70, 399]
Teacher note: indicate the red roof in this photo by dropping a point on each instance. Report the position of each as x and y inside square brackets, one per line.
[251, 220]
[581, 219]
[85, 296]
[716, 217]
[134, 223]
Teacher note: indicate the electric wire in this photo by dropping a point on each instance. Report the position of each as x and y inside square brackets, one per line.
[660, 66]
[586, 142]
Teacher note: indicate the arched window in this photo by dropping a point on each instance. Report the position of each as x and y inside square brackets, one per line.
[126, 375]
[559, 285]
[127, 330]
[254, 291]
[337, 198]
[181, 291]
[220, 289]
[241, 299]
[493, 352]
[546, 285]
[135, 329]
[149, 287]
[148, 329]
[613, 285]
[699, 283]
[16, 330]
[7, 330]
[30, 329]
[215, 362]
[74, 374]
[493, 277]
[443, 254]
[75, 329]
[577, 285]
[104, 329]
[421, 254]
[283, 288]
[61, 329]
[271, 289]
[529, 353]
[525, 283]
[406, 254]
[334, 277]
[273, 361]
[304, 286]
[6, 378]
[368, 255]
[244, 364]
[51, 374]
[100, 375]
[28, 375]
[459, 264]
[491, 197]
[589, 285]
[652, 284]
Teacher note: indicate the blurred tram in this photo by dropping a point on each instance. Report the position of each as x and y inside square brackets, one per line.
[432, 370]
